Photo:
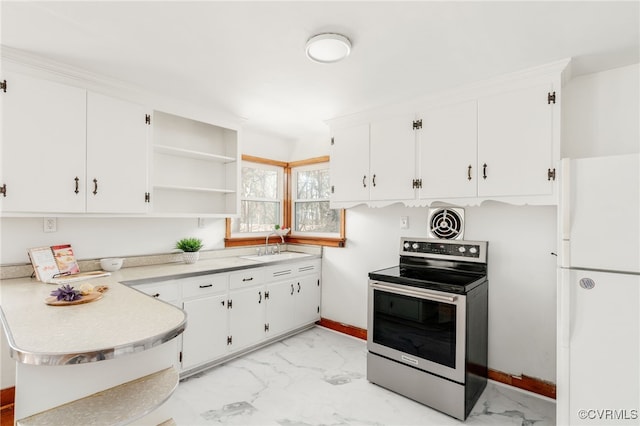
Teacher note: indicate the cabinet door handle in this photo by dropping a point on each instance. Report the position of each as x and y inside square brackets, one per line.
[374, 180]
[299, 287]
[364, 181]
[484, 171]
[469, 172]
[206, 285]
[292, 289]
[77, 184]
[259, 297]
[95, 186]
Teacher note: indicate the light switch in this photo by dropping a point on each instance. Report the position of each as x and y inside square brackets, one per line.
[404, 222]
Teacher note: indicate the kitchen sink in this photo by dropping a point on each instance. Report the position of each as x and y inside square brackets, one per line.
[287, 255]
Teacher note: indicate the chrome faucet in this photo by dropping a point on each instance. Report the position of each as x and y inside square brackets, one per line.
[266, 242]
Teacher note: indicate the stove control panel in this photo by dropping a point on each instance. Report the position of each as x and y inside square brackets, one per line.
[472, 251]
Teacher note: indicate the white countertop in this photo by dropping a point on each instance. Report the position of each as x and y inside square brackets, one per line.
[122, 321]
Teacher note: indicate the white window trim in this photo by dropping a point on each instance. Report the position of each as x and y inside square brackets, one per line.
[235, 221]
[294, 200]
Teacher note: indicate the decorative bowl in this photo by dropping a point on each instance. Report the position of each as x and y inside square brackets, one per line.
[111, 264]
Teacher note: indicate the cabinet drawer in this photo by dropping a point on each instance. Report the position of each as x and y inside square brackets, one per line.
[280, 272]
[204, 285]
[310, 267]
[167, 291]
[246, 278]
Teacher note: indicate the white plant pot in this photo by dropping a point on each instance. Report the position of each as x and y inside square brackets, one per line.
[190, 256]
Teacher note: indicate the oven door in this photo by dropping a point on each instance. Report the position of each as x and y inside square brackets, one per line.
[422, 328]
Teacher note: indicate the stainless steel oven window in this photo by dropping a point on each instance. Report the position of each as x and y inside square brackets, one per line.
[421, 328]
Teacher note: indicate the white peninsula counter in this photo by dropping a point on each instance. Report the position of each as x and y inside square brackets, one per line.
[109, 361]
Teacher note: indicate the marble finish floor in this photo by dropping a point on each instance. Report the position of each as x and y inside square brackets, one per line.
[318, 377]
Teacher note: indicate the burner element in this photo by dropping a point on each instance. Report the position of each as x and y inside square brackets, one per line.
[446, 223]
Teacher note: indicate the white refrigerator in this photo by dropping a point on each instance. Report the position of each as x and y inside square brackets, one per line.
[598, 336]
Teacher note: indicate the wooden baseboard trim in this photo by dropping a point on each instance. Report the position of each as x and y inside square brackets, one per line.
[531, 384]
[7, 396]
[360, 333]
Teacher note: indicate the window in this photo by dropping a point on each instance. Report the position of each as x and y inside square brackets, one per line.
[310, 201]
[292, 195]
[261, 198]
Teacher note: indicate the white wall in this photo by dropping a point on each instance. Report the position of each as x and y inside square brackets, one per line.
[601, 113]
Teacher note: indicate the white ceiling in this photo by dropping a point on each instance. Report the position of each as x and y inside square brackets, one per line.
[248, 57]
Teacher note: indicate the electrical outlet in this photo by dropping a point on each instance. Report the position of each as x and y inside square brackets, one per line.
[404, 222]
[50, 224]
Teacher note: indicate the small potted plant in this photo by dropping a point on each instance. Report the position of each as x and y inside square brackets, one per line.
[190, 249]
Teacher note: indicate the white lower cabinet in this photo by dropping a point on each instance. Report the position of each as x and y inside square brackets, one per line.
[205, 302]
[246, 317]
[233, 312]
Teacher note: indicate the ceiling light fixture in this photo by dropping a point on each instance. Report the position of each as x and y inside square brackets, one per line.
[328, 47]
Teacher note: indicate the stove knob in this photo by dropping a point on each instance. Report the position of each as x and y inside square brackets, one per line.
[462, 249]
[415, 246]
[473, 250]
[406, 246]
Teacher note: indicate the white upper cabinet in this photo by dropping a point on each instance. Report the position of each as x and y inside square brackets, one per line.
[349, 171]
[392, 165]
[373, 161]
[196, 168]
[66, 150]
[515, 142]
[117, 152]
[43, 146]
[498, 140]
[448, 151]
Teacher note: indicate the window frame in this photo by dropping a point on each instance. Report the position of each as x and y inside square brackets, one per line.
[295, 200]
[237, 240]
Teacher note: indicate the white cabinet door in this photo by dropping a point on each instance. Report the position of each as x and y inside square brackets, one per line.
[604, 347]
[349, 165]
[205, 337]
[393, 164]
[117, 152]
[515, 142]
[307, 303]
[280, 307]
[43, 146]
[448, 151]
[246, 317]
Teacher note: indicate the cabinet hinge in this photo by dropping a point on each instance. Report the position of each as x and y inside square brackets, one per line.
[551, 174]
[266, 327]
[551, 98]
[417, 184]
[229, 340]
[417, 124]
[333, 141]
[3, 189]
[147, 197]
[3, 86]
[229, 304]
[266, 295]
[147, 119]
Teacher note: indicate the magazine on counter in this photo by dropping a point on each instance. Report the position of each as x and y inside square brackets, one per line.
[57, 265]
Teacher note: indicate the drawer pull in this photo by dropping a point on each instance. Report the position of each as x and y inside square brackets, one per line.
[247, 279]
[206, 285]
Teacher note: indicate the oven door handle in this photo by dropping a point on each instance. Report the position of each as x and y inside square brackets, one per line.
[421, 294]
